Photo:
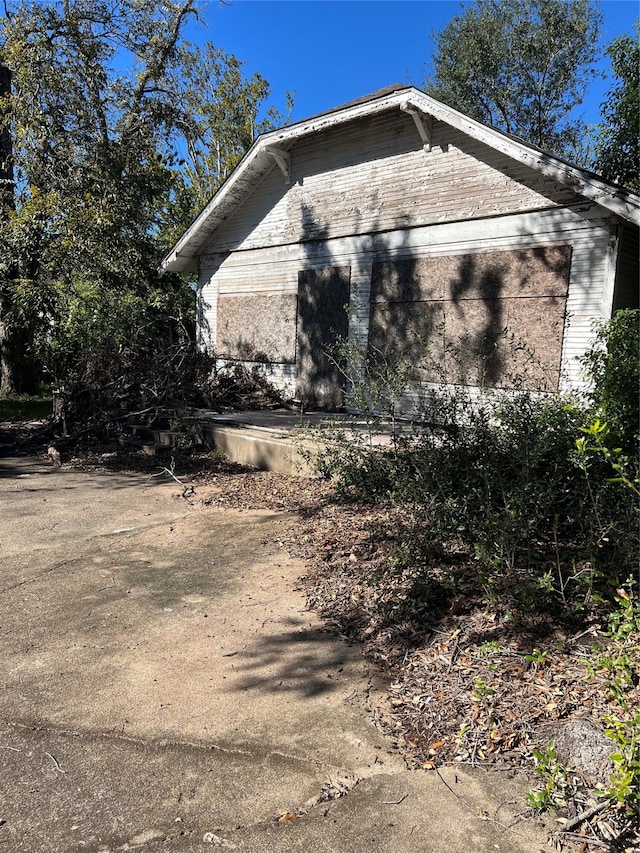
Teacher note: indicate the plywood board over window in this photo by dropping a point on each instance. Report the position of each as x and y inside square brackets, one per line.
[323, 295]
[491, 318]
[259, 327]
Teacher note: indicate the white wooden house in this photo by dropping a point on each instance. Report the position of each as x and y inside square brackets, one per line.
[431, 227]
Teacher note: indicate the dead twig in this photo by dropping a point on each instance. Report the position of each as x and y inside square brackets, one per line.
[169, 471]
[55, 762]
[395, 802]
[444, 782]
[187, 490]
[585, 815]
[454, 651]
[589, 839]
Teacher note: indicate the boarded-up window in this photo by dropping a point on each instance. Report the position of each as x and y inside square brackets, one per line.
[493, 318]
[323, 295]
[260, 327]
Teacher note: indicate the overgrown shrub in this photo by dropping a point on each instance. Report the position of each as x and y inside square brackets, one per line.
[612, 365]
[120, 380]
[543, 493]
[502, 476]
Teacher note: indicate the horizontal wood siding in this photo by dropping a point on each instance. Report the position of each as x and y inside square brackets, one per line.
[281, 376]
[274, 270]
[374, 176]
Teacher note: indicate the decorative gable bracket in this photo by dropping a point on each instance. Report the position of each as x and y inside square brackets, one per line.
[422, 123]
[282, 158]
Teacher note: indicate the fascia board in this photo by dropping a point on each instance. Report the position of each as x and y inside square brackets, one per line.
[182, 258]
[257, 161]
[617, 200]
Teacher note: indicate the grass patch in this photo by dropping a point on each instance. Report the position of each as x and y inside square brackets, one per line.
[25, 408]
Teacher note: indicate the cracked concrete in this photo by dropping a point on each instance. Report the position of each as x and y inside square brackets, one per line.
[163, 687]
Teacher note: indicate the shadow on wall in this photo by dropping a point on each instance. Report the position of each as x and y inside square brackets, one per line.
[494, 318]
[490, 318]
[321, 319]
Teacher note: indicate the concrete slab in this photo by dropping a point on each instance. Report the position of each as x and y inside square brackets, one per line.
[280, 440]
[163, 687]
[262, 448]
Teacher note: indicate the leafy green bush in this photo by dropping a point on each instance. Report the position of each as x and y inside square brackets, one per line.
[612, 365]
[505, 476]
[499, 477]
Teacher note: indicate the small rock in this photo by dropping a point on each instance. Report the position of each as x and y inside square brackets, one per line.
[582, 747]
[54, 455]
[211, 838]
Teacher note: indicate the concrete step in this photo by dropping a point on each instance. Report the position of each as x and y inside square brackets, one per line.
[260, 447]
[149, 448]
[150, 438]
[279, 440]
[270, 440]
[159, 436]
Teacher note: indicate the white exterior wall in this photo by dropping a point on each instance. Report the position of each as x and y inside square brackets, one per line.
[275, 270]
[370, 192]
[374, 176]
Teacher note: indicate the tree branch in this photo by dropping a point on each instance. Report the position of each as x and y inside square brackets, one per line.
[156, 67]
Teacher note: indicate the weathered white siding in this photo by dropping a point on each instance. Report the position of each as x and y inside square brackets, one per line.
[368, 192]
[374, 176]
[275, 269]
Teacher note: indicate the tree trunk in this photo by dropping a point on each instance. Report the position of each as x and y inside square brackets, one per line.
[18, 373]
[7, 384]
[6, 167]
[7, 203]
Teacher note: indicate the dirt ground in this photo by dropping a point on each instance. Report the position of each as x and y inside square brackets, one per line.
[164, 686]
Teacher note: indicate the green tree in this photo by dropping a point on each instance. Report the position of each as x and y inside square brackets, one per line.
[109, 117]
[89, 178]
[520, 66]
[216, 123]
[617, 151]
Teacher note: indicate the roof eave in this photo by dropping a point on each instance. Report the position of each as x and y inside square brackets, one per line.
[616, 199]
[184, 256]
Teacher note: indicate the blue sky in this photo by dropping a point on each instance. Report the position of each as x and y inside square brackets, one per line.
[331, 51]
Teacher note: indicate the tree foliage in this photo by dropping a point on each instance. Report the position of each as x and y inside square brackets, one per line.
[618, 151]
[612, 367]
[218, 122]
[520, 66]
[110, 118]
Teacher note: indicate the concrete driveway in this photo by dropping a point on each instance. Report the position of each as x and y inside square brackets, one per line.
[163, 687]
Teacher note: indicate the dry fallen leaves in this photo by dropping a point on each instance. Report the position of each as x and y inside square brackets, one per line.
[287, 816]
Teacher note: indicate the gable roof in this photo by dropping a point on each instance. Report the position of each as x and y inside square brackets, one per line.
[276, 144]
